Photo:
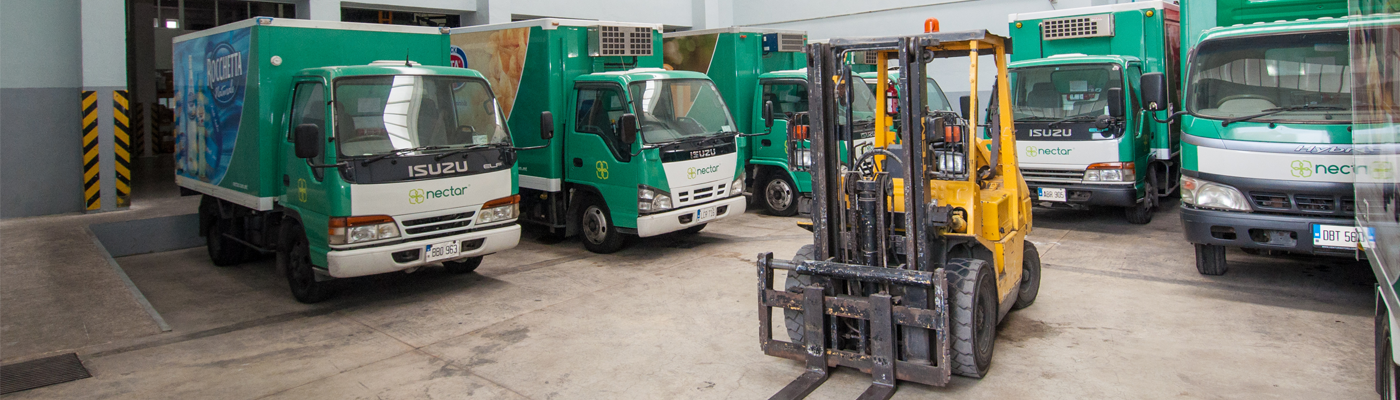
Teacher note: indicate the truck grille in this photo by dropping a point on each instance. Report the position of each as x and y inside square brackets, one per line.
[1053, 175]
[702, 194]
[1303, 204]
[438, 223]
[1077, 27]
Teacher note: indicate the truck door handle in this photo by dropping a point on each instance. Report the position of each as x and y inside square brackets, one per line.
[578, 162]
[767, 142]
[286, 180]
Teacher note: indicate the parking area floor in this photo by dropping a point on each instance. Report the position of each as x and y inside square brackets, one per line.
[1121, 313]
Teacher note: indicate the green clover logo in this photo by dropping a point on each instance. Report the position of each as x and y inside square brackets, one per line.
[416, 196]
[301, 190]
[690, 173]
[1032, 151]
[602, 167]
[1301, 168]
[1382, 170]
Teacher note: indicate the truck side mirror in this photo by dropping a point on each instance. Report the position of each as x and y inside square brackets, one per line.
[1154, 91]
[546, 125]
[628, 128]
[1115, 102]
[965, 104]
[306, 141]
[768, 113]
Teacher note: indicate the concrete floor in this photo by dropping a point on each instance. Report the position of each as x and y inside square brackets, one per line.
[1122, 313]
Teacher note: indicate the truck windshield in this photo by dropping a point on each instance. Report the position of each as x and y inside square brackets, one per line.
[1299, 77]
[383, 114]
[1052, 93]
[675, 109]
[937, 100]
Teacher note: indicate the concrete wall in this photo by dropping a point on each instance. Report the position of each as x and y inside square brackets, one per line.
[41, 75]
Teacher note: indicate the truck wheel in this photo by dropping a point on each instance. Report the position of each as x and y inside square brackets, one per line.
[794, 283]
[1386, 370]
[599, 234]
[222, 250]
[779, 195]
[972, 292]
[694, 229]
[462, 266]
[1030, 277]
[1210, 259]
[295, 258]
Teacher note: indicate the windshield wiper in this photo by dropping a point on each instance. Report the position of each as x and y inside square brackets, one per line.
[1271, 111]
[1076, 118]
[399, 152]
[463, 150]
[1036, 118]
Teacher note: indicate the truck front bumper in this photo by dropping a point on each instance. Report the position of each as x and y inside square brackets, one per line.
[405, 255]
[1257, 231]
[1078, 196]
[675, 220]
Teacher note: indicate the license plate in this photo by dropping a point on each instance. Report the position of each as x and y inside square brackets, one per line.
[705, 214]
[1336, 236]
[1053, 194]
[441, 251]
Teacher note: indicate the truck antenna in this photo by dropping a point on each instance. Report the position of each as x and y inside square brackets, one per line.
[406, 61]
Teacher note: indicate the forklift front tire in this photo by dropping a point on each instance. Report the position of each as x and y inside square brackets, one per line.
[794, 283]
[1210, 259]
[972, 292]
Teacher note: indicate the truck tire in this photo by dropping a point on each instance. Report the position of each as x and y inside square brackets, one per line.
[463, 265]
[972, 292]
[222, 250]
[1210, 259]
[792, 319]
[1386, 370]
[295, 259]
[1030, 277]
[600, 235]
[779, 194]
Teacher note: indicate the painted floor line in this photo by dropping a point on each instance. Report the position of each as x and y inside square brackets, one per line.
[126, 280]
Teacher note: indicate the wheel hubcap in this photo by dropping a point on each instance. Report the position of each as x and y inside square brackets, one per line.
[778, 194]
[595, 225]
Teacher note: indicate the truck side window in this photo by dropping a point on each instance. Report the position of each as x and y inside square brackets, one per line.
[598, 110]
[309, 107]
[787, 98]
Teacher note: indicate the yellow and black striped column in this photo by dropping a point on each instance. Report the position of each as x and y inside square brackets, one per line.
[92, 170]
[121, 132]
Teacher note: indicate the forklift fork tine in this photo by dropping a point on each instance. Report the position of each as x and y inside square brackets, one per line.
[813, 313]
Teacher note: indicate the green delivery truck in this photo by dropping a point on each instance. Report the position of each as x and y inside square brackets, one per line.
[751, 67]
[327, 144]
[639, 150]
[1084, 136]
[1266, 128]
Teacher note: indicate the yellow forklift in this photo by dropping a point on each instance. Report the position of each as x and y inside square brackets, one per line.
[919, 240]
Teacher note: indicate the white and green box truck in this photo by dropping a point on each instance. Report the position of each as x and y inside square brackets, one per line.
[639, 150]
[346, 149]
[1085, 138]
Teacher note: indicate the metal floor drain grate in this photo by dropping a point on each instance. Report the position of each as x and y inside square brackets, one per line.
[42, 372]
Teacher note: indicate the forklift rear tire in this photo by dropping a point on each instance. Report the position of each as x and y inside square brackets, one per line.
[1030, 277]
[973, 299]
[295, 259]
[462, 266]
[1210, 259]
[794, 283]
[222, 250]
[600, 235]
[779, 194]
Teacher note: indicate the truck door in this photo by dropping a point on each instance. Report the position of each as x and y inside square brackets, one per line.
[594, 154]
[305, 186]
[789, 97]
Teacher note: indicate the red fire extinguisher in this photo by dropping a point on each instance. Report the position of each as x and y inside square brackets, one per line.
[891, 99]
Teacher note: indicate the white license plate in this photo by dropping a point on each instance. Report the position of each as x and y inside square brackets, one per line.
[1053, 194]
[705, 214]
[441, 251]
[1336, 236]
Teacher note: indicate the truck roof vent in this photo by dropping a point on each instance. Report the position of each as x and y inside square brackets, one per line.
[396, 63]
[784, 42]
[626, 41]
[867, 57]
[1099, 25]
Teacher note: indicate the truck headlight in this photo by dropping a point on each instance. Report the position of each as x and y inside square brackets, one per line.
[803, 157]
[650, 199]
[737, 188]
[502, 209]
[1206, 194]
[350, 230]
[1110, 172]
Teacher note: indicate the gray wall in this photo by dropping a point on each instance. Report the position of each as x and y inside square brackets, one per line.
[40, 80]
